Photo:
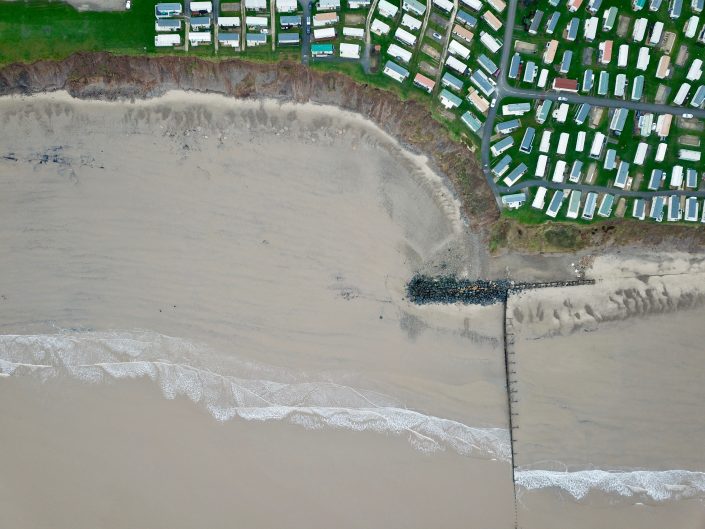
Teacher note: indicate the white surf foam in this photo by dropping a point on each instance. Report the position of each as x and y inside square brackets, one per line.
[655, 485]
[97, 357]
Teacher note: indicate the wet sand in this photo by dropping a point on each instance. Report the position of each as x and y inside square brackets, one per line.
[120, 455]
[247, 260]
[609, 389]
[204, 299]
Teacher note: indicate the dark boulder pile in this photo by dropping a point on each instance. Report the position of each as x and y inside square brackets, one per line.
[448, 289]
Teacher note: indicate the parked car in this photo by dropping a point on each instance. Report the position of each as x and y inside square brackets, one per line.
[562, 98]
[437, 36]
[688, 116]
[128, 4]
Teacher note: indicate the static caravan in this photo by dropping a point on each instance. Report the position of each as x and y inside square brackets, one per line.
[487, 64]
[405, 37]
[395, 71]
[605, 209]
[410, 22]
[571, 30]
[574, 205]
[322, 49]
[527, 142]
[639, 31]
[387, 9]
[451, 81]
[691, 209]
[288, 39]
[427, 84]
[414, 6]
[399, 53]
[255, 5]
[541, 166]
[230, 40]
[449, 100]
[539, 198]
[462, 33]
[559, 171]
[229, 22]
[328, 5]
[167, 10]
[639, 209]
[447, 6]
[640, 155]
[656, 34]
[514, 201]
[552, 23]
[501, 146]
[598, 144]
[695, 72]
[167, 24]
[289, 21]
[471, 121]
[255, 39]
[589, 206]
[287, 6]
[545, 143]
[516, 173]
[530, 72]
[675, 213]
[576, 171]
[167, 40]
[555, 204]
[379, 28]
[657, 206]
[682, 94]
[201, 8]
[353, 33]
[474, 5]
[623, 56]
[490, 42]
[324, 34]
[620, 180]
[456, 65]
[502, 166]
[458, 49]
[197, 38]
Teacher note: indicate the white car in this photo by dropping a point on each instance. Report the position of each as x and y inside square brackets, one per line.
[493, 102]
[128, 4]
[688, 116]
[562, 98]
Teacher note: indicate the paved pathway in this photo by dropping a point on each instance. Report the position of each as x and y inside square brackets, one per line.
[305, 35]
[504, 90]
[368, 37]
[446, 43]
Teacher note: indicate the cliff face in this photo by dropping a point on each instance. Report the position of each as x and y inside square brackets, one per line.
[104, 76]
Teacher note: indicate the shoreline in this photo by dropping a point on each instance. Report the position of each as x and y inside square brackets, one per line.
[193, 216]
[104, 76]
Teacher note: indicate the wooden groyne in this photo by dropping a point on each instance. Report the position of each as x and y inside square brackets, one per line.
[447, 289]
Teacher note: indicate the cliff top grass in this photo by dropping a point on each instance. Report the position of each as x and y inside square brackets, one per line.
[34, 30]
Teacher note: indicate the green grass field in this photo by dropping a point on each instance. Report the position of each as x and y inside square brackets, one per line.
[35, 30]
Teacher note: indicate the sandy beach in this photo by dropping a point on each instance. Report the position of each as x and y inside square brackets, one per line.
[609, 393]
[203, 321]
[251, 258]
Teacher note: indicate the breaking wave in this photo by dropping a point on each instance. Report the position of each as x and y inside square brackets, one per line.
[173, 364]
[655, 485]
